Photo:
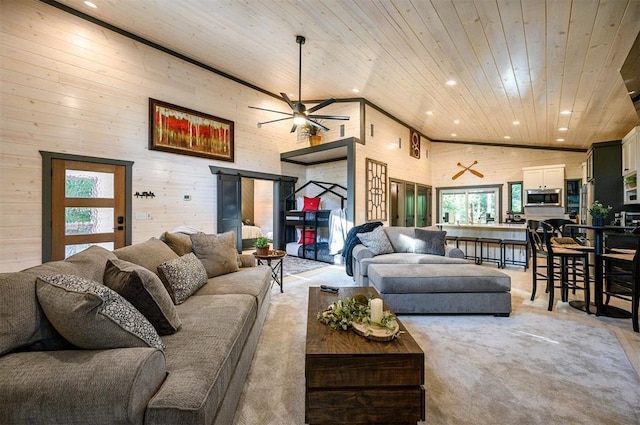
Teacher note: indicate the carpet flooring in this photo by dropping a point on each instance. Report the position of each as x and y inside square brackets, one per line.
[534, 367]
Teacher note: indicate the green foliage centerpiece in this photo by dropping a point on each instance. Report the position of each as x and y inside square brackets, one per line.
[599, 212]
[355, 312]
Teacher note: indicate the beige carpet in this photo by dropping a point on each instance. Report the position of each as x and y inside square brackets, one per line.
[535, 367]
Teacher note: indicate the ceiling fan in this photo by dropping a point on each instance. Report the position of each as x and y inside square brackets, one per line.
[299, 112]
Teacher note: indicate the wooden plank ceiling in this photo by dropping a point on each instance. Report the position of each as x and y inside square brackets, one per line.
[513, 61]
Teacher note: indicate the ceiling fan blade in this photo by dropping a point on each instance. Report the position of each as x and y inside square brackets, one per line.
[270, 110]
[286, 99]
[268, 122]
[317, 125]
[321, 105]
[293, 129]
[329, 117]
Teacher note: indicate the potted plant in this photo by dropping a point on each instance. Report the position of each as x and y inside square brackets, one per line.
[312, 133]
[599, 212]
[262, 245]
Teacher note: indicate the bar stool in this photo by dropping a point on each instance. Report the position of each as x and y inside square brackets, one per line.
[513, 243]
[467, 240]
[578, 268]
[621, 275]
[488, 243]
[451, 239]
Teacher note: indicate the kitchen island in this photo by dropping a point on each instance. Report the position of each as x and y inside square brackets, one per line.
[502, 231]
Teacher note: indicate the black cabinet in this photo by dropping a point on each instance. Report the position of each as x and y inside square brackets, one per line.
[605, 160]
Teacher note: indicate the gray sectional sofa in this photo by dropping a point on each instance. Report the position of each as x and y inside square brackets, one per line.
[403, 241]
[416, 273]
[192, 375]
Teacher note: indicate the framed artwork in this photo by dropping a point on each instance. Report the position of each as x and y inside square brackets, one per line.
[376, 190]
[185, 131]
[414, 149]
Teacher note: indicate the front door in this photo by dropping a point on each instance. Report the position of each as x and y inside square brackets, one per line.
[88, 206]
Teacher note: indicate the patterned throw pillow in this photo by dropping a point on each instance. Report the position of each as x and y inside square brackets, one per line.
[429, 241]
[145, 291]
[377, 241]
[217, 252]
[92, 316]
[183, 276]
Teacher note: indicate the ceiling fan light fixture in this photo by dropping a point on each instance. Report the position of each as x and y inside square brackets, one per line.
[299, 119]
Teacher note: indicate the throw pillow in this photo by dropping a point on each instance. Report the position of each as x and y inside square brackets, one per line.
[429, 241]
[311, 204]
[377, 241]
[217, 252]
[183, 276]
[149, 254]
[145, 291]
[307, 237]
[180, 243]
[92, 316]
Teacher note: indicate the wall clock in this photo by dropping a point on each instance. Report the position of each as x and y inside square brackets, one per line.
[414, 149]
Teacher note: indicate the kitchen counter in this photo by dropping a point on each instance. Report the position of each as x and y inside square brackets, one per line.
[515, 231]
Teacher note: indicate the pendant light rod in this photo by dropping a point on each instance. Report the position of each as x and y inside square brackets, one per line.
[300, 40]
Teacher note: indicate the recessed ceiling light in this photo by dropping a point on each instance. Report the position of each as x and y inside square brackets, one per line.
[559, 140]
[355, 90]
[92, 5]
[456, 121]
[563, 129]
[453, 135]
[516, 122]
[451, 83]
[507, 137]
[429, 112]
[566, 112]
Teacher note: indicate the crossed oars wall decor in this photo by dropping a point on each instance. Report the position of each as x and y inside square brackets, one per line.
[459, 173]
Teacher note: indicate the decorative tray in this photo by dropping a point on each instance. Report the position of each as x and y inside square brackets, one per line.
[375, 332]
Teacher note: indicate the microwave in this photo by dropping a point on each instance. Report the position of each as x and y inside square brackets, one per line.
[543, 198]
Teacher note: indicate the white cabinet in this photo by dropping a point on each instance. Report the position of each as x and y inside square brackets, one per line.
[630, 152]
[547, 177]
[630, 165]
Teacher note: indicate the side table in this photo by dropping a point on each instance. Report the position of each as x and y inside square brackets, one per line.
[274, 260]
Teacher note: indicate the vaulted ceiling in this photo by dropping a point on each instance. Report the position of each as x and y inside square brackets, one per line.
[517, 64]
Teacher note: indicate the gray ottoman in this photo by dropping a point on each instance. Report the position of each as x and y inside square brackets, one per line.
[442, 288]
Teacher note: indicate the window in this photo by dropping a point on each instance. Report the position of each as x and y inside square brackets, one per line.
[470, 205]
[515, 197]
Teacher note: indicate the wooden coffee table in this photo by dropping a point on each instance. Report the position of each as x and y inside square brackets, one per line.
[353, 380]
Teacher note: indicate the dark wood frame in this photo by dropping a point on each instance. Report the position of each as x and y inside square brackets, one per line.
[415, 143]
[217, 143]
[376, 190]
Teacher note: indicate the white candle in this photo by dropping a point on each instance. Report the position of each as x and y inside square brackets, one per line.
[376, 310]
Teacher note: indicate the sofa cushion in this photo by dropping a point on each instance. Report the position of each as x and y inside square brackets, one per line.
[180, 243]
[401, 238]
[149, 254]
[145, 291]
[429, 241]
[200, 372]
[92, 316]
[407, 258]
[23, 324]
[377, 241]
[182, 276]
[98, 387]
[254, 281]
[217, 252]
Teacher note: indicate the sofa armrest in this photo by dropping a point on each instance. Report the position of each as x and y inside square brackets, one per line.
[80, 386]
[246, 260]
[453, 252]
[360, 252]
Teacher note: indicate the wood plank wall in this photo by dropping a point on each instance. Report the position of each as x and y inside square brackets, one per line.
[72, 87]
